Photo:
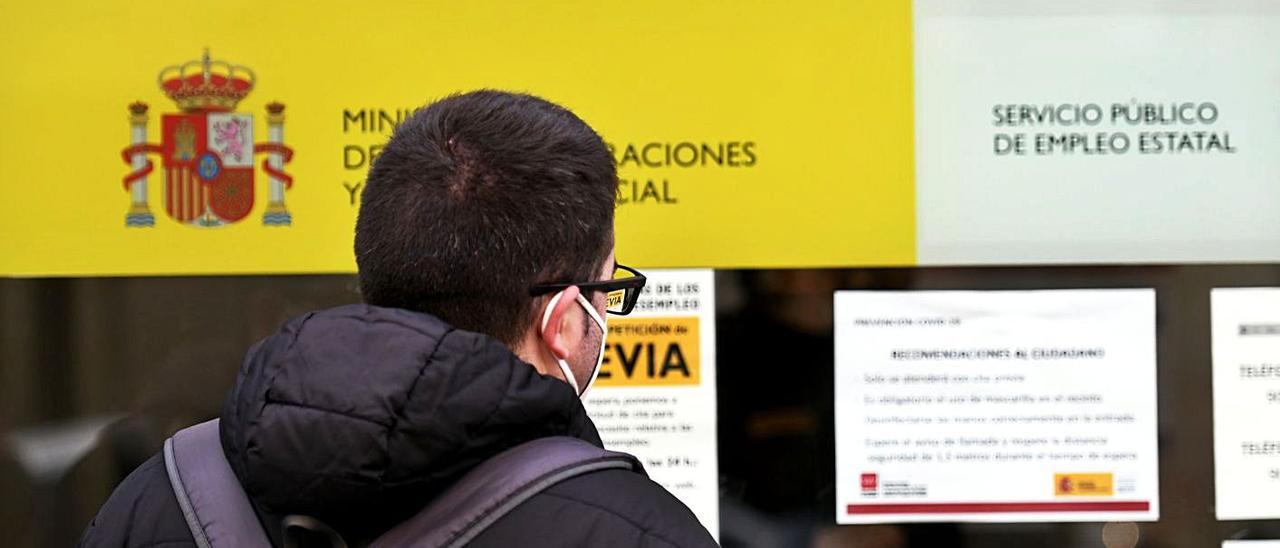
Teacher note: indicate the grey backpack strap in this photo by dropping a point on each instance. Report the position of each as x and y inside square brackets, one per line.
[497, 486]
[215, 505]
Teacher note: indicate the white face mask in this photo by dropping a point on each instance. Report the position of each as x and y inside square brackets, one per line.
[564, 366]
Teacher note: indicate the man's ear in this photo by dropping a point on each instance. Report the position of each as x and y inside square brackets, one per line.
[555, 316]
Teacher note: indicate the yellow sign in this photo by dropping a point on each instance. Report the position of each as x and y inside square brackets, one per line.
[1086, 485]
[615, 300]
[651, 352]
[746, 134]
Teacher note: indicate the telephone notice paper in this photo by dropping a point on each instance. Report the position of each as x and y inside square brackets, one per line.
[1246, 402]
[996, 406]
[655, 396]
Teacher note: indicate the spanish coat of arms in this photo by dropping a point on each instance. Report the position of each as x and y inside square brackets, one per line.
[207, 150]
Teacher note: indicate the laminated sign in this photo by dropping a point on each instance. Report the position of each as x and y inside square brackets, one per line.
[235, 138]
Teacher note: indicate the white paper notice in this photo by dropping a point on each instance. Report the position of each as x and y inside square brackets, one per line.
[656, 394]
[1246, 402]
[996, 406]
[1251, 544]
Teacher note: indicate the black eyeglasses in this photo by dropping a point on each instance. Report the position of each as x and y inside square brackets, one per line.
[621, 292]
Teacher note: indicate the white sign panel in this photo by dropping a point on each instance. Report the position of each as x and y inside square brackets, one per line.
[1251, 544]
[1097, 131]
[996, 406]
[656, 394]
[1246, 402]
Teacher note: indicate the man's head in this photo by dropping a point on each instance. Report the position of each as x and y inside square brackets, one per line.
[475, 199]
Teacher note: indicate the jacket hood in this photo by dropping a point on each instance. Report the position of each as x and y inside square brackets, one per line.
[360, 415]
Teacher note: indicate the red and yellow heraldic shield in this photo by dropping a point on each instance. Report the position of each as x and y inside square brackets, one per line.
[208, 167]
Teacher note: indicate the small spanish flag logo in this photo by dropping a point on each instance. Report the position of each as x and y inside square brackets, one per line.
[1084, 485]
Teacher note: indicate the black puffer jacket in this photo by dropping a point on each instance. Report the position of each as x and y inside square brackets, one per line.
[360, 415]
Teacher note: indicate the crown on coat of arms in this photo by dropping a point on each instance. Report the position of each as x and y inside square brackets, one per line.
[217, 85]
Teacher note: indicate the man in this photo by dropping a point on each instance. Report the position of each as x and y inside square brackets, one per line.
[485, 252]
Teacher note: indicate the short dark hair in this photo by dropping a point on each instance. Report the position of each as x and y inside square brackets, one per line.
[477, 197]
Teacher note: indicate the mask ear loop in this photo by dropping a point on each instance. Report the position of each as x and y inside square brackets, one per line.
[591, 311]
[564, 366]
[546, 314]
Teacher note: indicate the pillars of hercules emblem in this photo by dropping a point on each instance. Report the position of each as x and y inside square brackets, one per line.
[139, 214]
[276, 214]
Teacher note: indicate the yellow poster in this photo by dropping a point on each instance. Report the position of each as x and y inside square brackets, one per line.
[652, 352]
[233, 137]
